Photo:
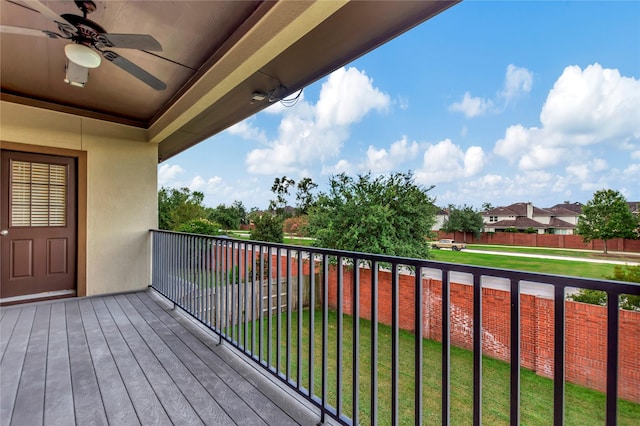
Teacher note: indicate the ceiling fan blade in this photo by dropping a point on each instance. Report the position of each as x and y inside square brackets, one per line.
[134, 70]
[62, 23]
[131, 41]
[9, 29]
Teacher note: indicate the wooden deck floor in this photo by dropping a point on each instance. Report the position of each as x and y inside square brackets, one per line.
[128, 359]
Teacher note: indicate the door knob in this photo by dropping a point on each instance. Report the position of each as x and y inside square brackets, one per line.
[4, 232]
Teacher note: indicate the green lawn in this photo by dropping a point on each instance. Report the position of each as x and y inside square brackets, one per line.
[585, 254]
[296, 241]
[547, 266]
[583, 406]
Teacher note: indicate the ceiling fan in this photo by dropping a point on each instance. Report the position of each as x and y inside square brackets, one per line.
[89, 43]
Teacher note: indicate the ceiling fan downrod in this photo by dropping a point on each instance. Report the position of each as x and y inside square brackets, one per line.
[86, 6]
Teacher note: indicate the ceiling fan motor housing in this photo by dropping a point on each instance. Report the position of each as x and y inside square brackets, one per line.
[89, 33]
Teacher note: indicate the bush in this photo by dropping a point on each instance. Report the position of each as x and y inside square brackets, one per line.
[200, 226]
[597, 297]
[629, 274]
[296, 225]
[267, 228]
[592, 297]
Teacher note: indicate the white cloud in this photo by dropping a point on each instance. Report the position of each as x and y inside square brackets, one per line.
[635, 155]
[633, 170]
[584, 108]
[473, 161]
[503, 190]
[403, 102]
[246, 130]
[592, 105]
[197, 183]
[210, 186]
[342, 166]
[472, 106]
[381, 160]
[309, 133]
[517, 80]
[346, 97]
[167, 174]
[447, 162]
[515, 142]
[540, 157]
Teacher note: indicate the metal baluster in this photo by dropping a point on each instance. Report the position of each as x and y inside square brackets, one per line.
[515, 353]
[477, 349]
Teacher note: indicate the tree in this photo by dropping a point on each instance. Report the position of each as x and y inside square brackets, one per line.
[464, 219]
[606, 216]
[239, 207]
[487, 206]
[281, 190]
[304, 196]
[200, 226]
[267, 227]
[177, 206]
[384, 215]
[229, 217]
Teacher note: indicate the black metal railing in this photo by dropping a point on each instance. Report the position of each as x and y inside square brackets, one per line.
[296, 311]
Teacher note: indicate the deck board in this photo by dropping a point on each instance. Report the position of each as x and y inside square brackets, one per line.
[115, 398]
[7, 323]
[29, 407]
[233, 405]
[173, 401]
[142, 395]
[12, 362]
[128, 359]
[58, 406]
[201, 402]
[87, 399]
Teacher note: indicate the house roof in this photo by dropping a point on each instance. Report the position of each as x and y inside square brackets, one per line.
[218, 54]
[520, 223]
[561, 211]
[559, 223]
[574, 207]
[516, 209]
[634, 206]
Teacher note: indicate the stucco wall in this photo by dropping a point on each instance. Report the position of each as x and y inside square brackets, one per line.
[121, 179]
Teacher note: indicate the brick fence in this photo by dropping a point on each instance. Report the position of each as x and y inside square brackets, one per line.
[585, 327]
[544, 240]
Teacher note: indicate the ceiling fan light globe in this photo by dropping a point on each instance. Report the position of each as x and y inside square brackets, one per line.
[82, 55]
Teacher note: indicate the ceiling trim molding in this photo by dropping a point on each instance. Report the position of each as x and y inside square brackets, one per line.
[80, 112]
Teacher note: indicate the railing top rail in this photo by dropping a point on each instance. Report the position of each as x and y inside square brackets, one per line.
[610, 286]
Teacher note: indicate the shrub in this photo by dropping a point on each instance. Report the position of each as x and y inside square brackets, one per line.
[267, 228]
[296, 225]
[200, 226]
[627, 301]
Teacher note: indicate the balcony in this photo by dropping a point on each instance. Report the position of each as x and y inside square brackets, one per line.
[223, 315]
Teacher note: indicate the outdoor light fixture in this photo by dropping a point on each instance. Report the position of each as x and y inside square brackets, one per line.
[82, 55]
[259, 96]
[80, 59]
[76, 75]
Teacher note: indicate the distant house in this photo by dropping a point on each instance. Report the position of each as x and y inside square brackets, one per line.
[520, 217]
[441, 217]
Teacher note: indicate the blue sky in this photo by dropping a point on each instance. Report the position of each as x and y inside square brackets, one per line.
[498, 102]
